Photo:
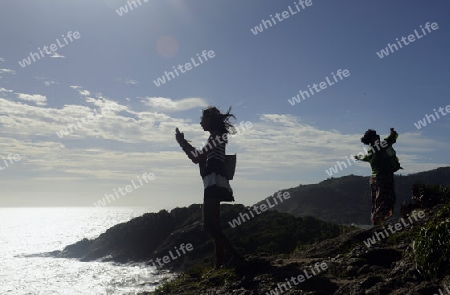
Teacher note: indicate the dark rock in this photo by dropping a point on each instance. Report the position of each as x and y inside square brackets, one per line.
[77, 250]
[381, 256]
[371, 281]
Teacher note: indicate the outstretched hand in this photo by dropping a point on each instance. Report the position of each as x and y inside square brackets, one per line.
[392, 130]
[179, 136]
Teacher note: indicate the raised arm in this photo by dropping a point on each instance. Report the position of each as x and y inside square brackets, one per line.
[367, 157]
[392, 138]
[195, 155]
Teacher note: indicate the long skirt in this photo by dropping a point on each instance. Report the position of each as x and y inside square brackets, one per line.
[383, 197]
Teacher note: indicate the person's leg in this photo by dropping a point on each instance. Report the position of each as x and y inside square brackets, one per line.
[375, 195]
[210, 218]
[218, 247]
[387, 192]
[211, 223]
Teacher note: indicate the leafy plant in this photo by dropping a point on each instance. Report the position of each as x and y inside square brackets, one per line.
[432, 250]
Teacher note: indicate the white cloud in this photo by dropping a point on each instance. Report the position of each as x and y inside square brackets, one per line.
[2, 59]
[122, 143]
[84, 92]
[167, 104]
[287, 120]
[278, 142]
[47, 81]
[7, 71]
[36, 98]
[128, 81]
[55, 54]
[80, 91]
[5, 90]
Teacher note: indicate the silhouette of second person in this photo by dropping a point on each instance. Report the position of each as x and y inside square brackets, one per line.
[382, 185]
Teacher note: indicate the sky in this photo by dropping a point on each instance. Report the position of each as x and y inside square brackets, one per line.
[99, 75]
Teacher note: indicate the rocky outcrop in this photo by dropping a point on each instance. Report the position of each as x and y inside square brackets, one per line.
[287, 254]
[175, 240]
[378, 260]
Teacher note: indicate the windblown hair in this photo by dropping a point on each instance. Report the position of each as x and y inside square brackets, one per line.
[369, 136]
[219, 121]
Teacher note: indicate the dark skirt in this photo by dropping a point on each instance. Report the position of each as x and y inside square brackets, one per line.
[216, 192]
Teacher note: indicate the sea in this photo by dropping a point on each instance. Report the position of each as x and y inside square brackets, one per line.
[26, 234]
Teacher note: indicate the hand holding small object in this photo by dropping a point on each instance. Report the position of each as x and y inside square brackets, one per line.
[179, 136]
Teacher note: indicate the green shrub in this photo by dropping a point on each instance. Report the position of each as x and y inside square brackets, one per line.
[432, 250]
[165, 288]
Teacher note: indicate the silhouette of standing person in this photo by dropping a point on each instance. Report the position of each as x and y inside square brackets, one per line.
[381, 182]
[212, 170]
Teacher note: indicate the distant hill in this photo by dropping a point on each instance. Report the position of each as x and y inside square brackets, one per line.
[346, 199]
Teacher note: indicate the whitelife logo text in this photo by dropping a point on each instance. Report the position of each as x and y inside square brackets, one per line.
[411, 38]
[35, 56]
[263, 207]
[184, 68]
